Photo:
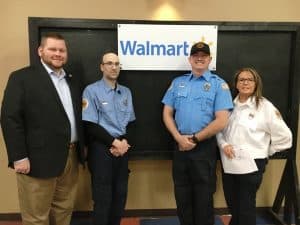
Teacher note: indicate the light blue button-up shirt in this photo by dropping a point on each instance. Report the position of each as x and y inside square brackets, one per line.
[64, 93]
[196, 99]
[110, 108]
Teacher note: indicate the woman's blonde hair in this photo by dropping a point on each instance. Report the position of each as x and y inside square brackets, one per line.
[257, 94]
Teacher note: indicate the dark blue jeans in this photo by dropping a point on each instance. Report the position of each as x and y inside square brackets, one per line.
[109, 175]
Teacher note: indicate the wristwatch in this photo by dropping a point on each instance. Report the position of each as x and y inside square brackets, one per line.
[195, 139]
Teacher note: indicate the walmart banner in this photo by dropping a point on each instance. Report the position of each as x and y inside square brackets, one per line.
[162, 47]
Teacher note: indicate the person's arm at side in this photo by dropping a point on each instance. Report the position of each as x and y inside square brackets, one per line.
[220, 121]
[129, 131]
[126, 139]
[223, 104]
[12, 123]
[281, 135]
[22, 166]
[184, 141]
[98, 132]
[224, 146]
[131, 126]
[221, 139]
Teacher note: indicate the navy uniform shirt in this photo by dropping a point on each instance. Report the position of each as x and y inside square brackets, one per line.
[196, 99]
[110, 108]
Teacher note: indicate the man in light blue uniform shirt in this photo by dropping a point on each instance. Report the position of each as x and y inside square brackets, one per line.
[196, 107]
[107, 111]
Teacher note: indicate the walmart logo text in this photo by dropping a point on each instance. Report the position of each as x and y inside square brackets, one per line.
[150, 49]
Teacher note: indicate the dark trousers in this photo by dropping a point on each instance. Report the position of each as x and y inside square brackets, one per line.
[109, 184]
[194, 184]
[240, 194]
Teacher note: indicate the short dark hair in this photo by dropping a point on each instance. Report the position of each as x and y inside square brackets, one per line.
[108, 52]
[53, 35]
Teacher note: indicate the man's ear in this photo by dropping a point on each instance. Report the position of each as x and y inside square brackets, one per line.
[40, 50]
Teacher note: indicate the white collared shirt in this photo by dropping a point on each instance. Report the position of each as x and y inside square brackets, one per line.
[64, 93]
[261, 131]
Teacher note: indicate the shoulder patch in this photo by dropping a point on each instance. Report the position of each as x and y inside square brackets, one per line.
[85, 103]
[170, 87]
[225, 86]
[277, 113]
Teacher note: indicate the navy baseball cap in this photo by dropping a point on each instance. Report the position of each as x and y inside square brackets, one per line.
[200, 47]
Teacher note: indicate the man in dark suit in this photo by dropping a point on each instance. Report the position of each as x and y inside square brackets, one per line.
[41, 124]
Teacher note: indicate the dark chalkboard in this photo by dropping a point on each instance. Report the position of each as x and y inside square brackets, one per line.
[271, 48]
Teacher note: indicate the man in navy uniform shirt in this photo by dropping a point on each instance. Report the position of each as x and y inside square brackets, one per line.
[107, 110]
[196, 107]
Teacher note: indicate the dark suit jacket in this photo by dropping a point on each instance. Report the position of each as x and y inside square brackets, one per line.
[34, 122]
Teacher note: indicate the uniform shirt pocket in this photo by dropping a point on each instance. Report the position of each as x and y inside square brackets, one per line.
[248, 122]
[124, 111]
[105, 106]
[180, 97]
[106, 111]
[204, 103]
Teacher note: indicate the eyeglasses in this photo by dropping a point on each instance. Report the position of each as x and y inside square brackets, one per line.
[244, 80]
[111, 64]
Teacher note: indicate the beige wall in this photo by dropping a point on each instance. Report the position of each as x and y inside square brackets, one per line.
[150, 182]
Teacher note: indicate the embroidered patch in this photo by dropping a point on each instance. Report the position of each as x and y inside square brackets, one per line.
[125, 102]
[85, 104]
[225, 86]
[278, 114]
[206, 86]
[170, 87]
[250, 116]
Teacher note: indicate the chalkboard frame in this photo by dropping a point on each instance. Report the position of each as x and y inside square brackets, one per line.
[37, 24]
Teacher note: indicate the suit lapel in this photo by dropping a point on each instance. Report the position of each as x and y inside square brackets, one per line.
[49, 87]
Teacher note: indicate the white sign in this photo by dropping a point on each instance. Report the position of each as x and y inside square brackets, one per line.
[162, 47]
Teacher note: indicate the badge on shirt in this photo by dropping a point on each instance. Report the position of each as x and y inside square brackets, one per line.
[181, 85]
[125, 102]
[85, 103]
[250, 116]
[225, 86]
[206, 86]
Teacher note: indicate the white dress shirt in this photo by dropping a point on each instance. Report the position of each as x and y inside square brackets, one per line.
[63, 90]
[260, 131]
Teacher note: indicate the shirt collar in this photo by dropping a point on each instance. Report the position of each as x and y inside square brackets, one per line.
[108, 88]
[206, 75]
[249, 103]
[52, 72]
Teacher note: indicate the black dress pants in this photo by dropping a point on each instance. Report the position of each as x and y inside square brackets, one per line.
[109, 175]
[194, 184]
[240, 194]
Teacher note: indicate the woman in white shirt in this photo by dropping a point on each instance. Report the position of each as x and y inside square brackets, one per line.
[255, 131]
